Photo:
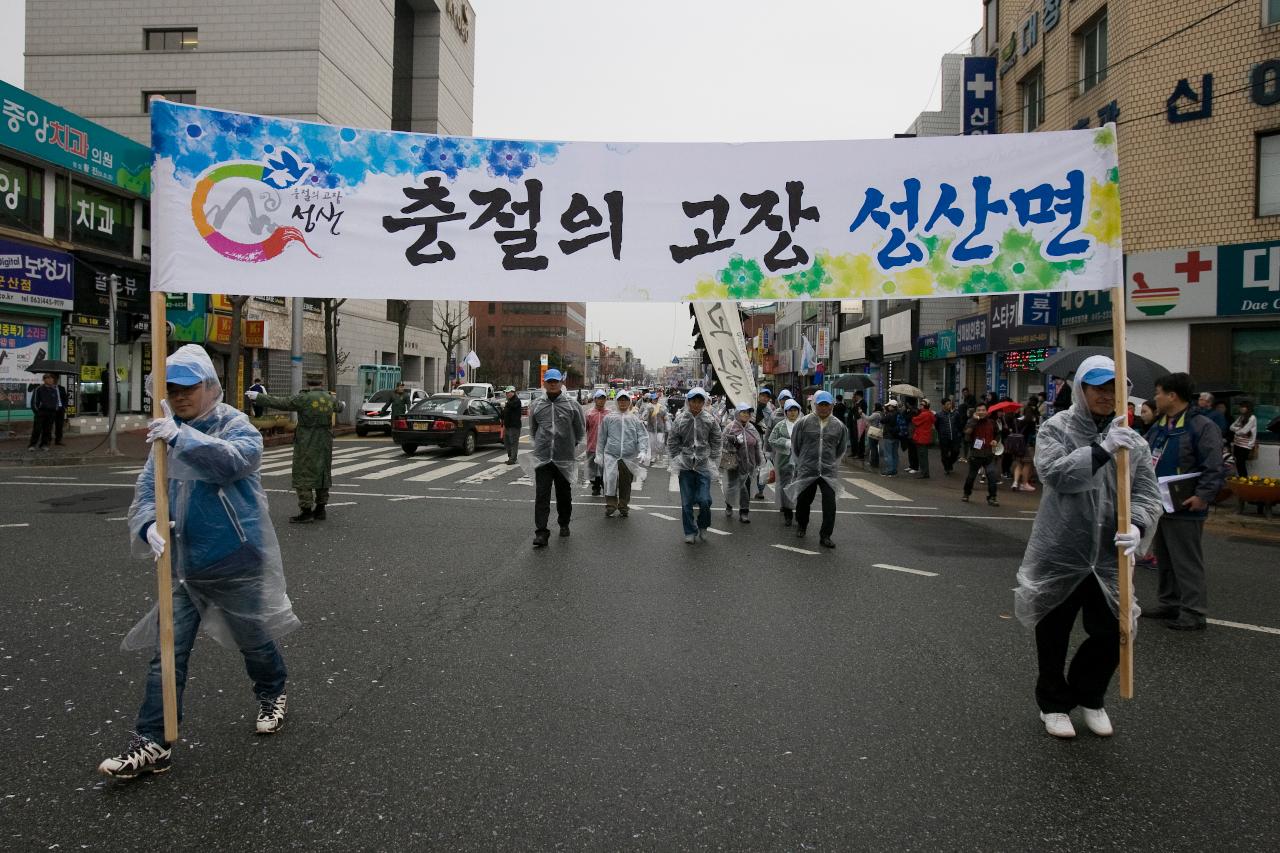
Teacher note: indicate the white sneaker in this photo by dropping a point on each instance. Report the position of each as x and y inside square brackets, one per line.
[1058, 725]
[271, 714]
[690, 539]
[1098, 721]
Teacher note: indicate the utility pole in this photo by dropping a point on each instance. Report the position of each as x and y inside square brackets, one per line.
[875, 330]
[111, 366]
[295, 353]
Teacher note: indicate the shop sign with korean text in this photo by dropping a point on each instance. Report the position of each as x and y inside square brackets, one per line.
[48, 132]
[1007, 333]
[1204, 281]
[35, 276]
[972, 334]
[21, 344]
[287, 208]
[93, 288]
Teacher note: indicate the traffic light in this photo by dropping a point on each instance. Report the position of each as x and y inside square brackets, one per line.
[875, 348]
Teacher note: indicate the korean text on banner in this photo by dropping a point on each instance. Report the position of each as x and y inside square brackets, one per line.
[291, 208]
[721, 329]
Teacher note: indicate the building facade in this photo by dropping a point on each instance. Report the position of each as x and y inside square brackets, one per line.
[402, 64]
[511, 337]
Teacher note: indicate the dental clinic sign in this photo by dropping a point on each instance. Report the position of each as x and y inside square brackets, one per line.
[1204, 281]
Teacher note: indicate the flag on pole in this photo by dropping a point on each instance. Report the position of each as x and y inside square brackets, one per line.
[807, 355]
[472, 360]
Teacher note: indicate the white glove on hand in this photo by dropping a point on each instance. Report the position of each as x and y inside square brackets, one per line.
[599, 461]
[155, 540]
[643, 459]
[252, 395]
[1120, 435]
[1128, 541]
[163, 429]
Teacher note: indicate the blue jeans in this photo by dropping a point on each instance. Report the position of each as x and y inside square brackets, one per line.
[263, 662]
[695, 488]
[889, 455]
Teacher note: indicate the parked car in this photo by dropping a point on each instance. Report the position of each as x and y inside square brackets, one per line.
[448, 420]
[372, 417]
[480, 390]
[527, 396]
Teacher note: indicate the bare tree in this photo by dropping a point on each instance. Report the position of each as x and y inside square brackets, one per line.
[450, 325]
[398, 310]
[234, 371]
[333, 359]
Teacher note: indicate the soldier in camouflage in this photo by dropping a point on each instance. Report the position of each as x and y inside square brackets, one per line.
[312, 445]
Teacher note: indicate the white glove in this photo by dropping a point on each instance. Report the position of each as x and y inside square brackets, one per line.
[1128, 541]
[599, 461]
[252, 395]
[163, 429]
[643, 459]
[155, 540]
[1120, 435]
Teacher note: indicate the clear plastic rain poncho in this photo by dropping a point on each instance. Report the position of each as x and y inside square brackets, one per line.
[693, 443]
[557, 435]
[223, 548]
[816, 451]
[623, 440]
[780, 445]
[1075, 527]
[655, 421]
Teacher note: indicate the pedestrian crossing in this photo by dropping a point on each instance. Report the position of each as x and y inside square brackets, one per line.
[386, 463]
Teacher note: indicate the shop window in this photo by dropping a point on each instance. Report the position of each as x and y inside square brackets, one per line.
[171, 39]
[1268, 171]
[493, 307]
[61, 210]
[1255, 369]
[1270, 12]
[21, 196]
[1032, 90]
[178, 96]
[1093, 53]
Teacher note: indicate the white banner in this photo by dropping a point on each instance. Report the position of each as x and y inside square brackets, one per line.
[721, 329]
[273, 207]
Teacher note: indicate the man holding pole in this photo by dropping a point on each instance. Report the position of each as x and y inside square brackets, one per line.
[1071, 563]
[312, 445]
[227, 574]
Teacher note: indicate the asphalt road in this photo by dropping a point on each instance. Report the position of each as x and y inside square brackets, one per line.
[454, 689]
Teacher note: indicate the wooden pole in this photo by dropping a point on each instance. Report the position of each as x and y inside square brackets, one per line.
[1122, 496]
[164, 585]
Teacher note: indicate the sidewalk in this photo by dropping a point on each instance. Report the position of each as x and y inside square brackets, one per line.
[944, 493]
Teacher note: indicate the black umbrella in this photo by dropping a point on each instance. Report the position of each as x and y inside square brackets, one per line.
[53, 365]
[1142, 372]
[852, 382]
[1221, 393]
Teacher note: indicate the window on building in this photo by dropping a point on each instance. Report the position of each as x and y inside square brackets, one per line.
[493, 306]
[178, 96]
[21, 195]
[1093, 53]
[1269, 175]
[171, 39]
[992, 25]
[1032, 91]
[1271, 12]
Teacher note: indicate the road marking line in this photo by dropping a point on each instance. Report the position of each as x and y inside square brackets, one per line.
[664, 517]
[43, 477]
[121, 518]
[877, 490]
[896, 506]
[1243, 626]
[797, 550]
[486, 475]
[24, 524]
[280, 468]
[719, 532]
[441, 472]
[408, 498]
[359, 466]
[398, 469]
[343, 503]
[905, 569]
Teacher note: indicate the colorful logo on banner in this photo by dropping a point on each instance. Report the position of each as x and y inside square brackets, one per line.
[403, 212]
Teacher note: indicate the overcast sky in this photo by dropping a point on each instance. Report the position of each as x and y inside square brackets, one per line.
[688, 71]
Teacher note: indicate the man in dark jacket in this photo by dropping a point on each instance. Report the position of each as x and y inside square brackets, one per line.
[950, 434]
[980, 435]
[511, 420]
[46, 407]
[1183, 441]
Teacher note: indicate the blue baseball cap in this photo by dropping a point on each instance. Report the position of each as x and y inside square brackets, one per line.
[181, 374]
[790, 404]
[696, 392]
[1096, 370]
[765, 390]
[744, 407]
[599, 393]
[784, 394]
[553, 375]
[822, 397]
[189, 365]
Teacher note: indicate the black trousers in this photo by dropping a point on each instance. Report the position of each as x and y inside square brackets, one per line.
[913, 454]
[1085, 683]
[544, 477]
[976, 464]
[950, 451]
[42, 428]
[805, 500]
[1241, 457]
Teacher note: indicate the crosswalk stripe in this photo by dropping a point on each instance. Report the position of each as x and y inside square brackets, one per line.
[441, 472]
[879, 491]
[359, 466]
[487, 474]
[286, 467]
[398, 469]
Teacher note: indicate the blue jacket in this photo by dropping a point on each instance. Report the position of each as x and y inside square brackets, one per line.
[1189, 443]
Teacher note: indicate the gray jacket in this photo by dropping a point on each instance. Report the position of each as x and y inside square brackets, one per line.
[556, 428]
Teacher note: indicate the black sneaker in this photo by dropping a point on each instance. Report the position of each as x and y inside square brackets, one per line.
[826, 542]
[540, 538]
[799, 532]
[318, 513]
[304, 517]
[271, 715]
[744, 518]
[564, 530]
[143, 755]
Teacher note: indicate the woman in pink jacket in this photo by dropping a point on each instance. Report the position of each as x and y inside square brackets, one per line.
[922, 436]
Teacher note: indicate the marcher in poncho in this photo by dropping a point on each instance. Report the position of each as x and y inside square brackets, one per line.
[595, 416]
[741, 455]
[1070, 565]
[656, 419]
[693, 445]
[312, 445]
[557, 433]
[780, 444]
[818, 443]
[225, 560]
[622, 453]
